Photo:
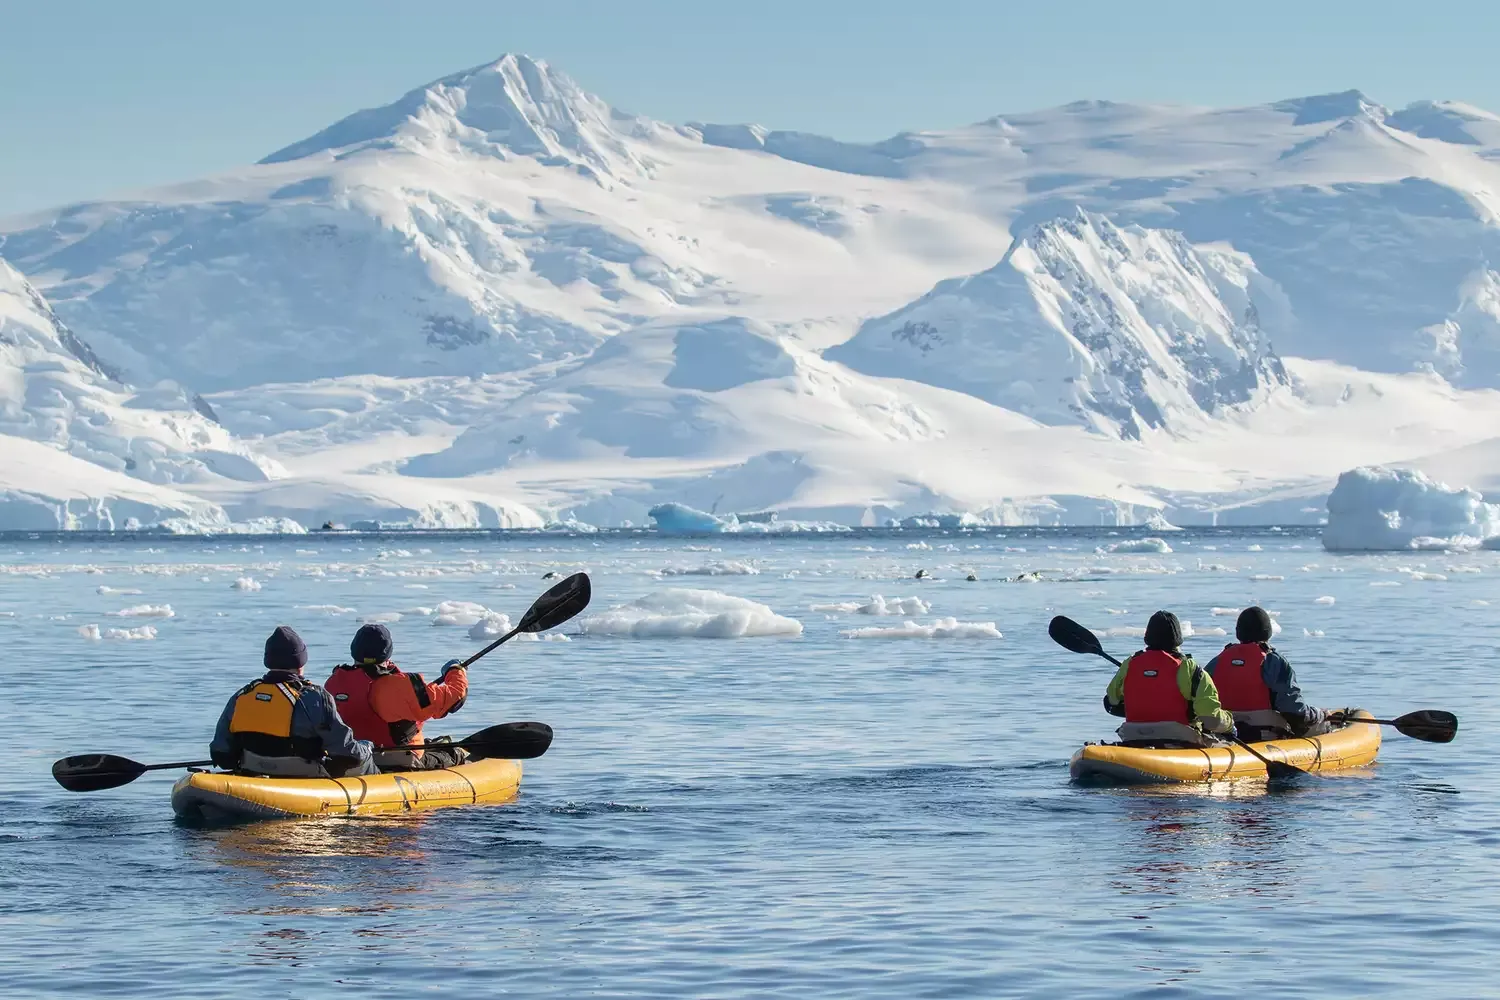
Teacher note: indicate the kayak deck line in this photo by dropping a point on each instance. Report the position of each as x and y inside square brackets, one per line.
[1350, 746]
[215, 794]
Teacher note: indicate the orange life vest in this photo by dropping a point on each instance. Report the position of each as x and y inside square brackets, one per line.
[351, 687]
[261, 721]
[1237, 675]
[1151, 692]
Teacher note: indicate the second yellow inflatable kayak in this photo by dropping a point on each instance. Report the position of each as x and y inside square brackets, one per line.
[1353, 745]
[214, 795]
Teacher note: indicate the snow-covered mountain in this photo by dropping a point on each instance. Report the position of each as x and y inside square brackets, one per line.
[1086, 322]
[498, 298]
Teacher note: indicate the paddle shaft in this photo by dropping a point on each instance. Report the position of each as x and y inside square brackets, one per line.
[1271, 765]
[507, 637]
[175, 765]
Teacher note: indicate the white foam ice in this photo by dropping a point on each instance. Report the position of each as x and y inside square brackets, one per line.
[460, 613]
[726, 568]
[706, 614]
[95, 633]
[879, 605]
[1313, 633]
[943, 628]
[121, 591]
[381, 618]
[246, 583]
[144, 611]
[1325, 600]
[327, 609]
[1267, 577]
[1138, 545]
[1212, 630]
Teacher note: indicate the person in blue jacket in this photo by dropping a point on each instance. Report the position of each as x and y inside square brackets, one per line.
[285, 726]
[1257, 685]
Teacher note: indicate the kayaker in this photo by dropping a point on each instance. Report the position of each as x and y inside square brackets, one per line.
[1165, 698]
[285, 726]
[1256, 684]
[387, 706]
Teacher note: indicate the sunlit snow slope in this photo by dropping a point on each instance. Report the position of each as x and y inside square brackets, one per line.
[499, 299]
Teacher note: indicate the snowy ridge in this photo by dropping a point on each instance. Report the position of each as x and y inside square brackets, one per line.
[1120, 329]
[499, 301]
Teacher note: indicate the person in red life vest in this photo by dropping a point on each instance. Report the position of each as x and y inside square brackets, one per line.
[1166, 698]
[1256, 684]
[383, 704]
[285, 726]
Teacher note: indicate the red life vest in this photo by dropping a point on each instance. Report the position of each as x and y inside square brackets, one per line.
[1237, 675]
[1151, 692]
[350, 686]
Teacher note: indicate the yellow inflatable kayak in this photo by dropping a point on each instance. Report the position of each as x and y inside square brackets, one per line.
[1353, 745]
[219, 795]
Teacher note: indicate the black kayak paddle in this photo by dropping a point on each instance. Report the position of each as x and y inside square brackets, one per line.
[550, 610]
[1427, 724]
[94, 772]
[1074, 637]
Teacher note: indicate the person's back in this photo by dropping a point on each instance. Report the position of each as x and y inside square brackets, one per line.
[285, 726]
[1165, 697]
[1258, 687]
[387, 706]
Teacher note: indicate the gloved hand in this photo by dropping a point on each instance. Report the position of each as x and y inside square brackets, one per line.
[452, 665]
[1339, 716]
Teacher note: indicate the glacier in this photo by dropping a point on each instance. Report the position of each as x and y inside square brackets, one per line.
[499, 301]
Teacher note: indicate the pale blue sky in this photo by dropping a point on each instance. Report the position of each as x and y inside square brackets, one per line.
[105, 96]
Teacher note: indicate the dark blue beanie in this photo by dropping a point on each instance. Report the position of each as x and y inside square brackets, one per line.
[372, 644]
[285, 650]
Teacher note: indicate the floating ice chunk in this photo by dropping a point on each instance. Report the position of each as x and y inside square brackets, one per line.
[1225, 612]
[418, 611]
[143, 632]
[382, 618]
[1480, 602]
[1215, 568]
[327, 609]
[1138, 545]
[680, 519]
[492, 626]
[1325, 600]
[841, 608]
[1385, 583]
[895, 606]
[1418, 575]
[459, 613]
[727, 568]
[943, 628]
[1159, 522]
[1116, 611]
[145, 611]
[1376, 508]
[1313, 633]
[1267, 577]
[1255, 548]
[123, 591]
[1212, 630]
[1464, 569]
[246, 583]
[705, 614]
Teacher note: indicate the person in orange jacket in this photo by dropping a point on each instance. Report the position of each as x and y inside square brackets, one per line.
[387, 706]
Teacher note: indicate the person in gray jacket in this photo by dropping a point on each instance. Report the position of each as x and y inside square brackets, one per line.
[285, 726]
[1257, 685]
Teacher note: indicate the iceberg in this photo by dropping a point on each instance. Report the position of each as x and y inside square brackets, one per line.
[698, 614]
[1375, 509]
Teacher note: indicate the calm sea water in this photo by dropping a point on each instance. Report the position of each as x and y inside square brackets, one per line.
[817, 816]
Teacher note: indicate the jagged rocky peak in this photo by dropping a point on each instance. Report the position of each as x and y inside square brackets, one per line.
[1118, 328]
[515, 105]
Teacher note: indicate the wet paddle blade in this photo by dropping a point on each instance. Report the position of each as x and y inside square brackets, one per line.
[557, 605]
[93, 772]
[1277, 771]
[509, 741]
[1072, 636]
[1428, 724]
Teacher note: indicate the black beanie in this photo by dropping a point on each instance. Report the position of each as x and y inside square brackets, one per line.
[285, 650]
[372, 644]
[1253, 625]
[1163, 631]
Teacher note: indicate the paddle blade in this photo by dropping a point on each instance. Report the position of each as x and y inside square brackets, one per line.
[93, 772]
[1277, 771]
[509, 741]
[1072, 636]
[558, 604]
[1428, 724]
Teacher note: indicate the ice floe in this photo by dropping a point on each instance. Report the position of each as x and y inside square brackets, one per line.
[943, 628]
[706, 614]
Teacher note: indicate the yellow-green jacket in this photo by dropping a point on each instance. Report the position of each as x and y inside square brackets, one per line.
[1196, 686]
